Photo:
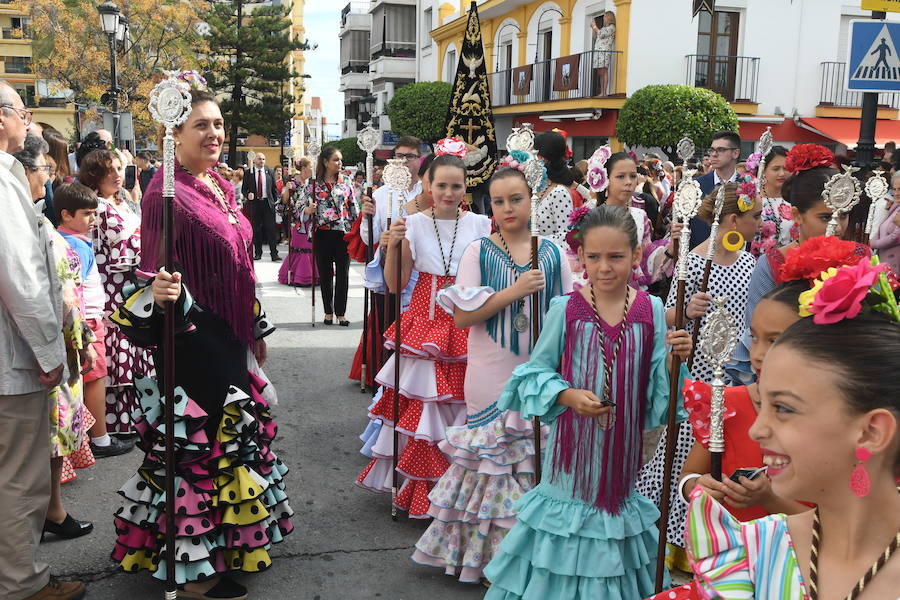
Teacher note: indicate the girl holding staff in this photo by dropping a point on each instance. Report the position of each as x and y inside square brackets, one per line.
[434, 351]
[493, 456]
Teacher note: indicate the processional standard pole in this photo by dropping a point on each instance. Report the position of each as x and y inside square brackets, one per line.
[170, 105]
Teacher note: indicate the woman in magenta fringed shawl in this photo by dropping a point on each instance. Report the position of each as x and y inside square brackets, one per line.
[230, 503]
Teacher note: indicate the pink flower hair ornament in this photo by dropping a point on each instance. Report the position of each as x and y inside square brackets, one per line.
[573, 235]
[194, 79]
[597, 178]
[752, 163]
[845, 292]
[453, 146]
[746, 192]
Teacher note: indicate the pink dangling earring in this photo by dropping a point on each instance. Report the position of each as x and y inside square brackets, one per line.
[859, 478]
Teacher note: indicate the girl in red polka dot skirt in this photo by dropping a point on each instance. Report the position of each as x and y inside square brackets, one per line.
[433, 350]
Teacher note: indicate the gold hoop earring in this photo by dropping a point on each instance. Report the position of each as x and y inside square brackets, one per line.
[733, 244]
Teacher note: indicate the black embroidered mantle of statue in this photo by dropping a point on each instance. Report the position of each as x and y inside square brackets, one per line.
[471, 116]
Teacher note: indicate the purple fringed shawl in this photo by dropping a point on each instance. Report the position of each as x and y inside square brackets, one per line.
[212, 254]
[606, 480]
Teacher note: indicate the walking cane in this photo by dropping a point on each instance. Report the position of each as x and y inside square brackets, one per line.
[367, 139]
[313, 149]
[170, 105]
[707, 268]
[397, 177]
[716, 344]
[687, 202]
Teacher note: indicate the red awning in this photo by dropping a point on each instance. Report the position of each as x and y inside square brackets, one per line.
[846, 131]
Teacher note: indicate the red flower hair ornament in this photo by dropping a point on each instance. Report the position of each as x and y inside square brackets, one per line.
[804, 157]
[454, 146]
[809, 259]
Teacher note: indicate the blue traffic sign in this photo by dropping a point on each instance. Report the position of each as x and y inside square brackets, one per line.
[873, 64]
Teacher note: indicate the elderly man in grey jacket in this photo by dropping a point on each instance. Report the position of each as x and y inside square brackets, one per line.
[32, 360]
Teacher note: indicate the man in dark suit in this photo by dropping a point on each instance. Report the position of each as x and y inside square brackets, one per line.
[724, 153]
[260, 191]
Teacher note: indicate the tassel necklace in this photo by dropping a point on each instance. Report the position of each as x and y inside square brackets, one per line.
[447, 263]
[520, 321]
[608, 362]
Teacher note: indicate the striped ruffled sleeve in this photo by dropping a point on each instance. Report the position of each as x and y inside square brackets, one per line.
[718, 551]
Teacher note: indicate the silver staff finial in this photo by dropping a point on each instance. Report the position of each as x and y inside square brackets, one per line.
[717, 342]
[877, 190]
[841, 194]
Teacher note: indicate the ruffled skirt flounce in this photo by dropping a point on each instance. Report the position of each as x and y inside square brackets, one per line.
[230, 504]
[431, 398]
[298, 268]
[473, 504]
[564, 549]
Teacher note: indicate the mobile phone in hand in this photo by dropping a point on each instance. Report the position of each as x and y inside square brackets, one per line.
[607, 403]
[130, 177]
[750, 473]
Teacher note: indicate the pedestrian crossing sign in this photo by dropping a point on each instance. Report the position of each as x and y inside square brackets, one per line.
[873, 64]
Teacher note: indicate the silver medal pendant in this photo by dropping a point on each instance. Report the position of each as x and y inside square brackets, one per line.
[520, 322]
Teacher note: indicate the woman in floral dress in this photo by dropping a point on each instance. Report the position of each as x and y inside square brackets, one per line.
[777, 228]
[117, 244]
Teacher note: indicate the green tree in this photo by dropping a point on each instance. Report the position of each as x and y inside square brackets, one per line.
[350, 151]
[420, 109]
[71, 51]
[660, 115]
[248, 63]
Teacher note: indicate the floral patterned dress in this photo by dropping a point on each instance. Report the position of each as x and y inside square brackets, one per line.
[68, 418]
[777, 227]
[117, 244]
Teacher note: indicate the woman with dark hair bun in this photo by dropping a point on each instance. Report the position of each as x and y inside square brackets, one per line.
[231, 505]
[555, 200]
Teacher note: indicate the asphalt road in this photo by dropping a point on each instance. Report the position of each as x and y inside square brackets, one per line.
[344, 546]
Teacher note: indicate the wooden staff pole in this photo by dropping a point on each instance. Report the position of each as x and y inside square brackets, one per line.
[170, 105]
[707, 268]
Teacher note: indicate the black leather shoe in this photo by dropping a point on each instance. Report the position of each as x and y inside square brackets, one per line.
[276, 258]
[69, 529]
[257, 257]
[344, 323]
[115, 448]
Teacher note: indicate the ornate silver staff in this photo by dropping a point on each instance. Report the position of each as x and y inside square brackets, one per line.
[522, 139]
[707, 267]
[764, 147]
[397, 177]
[841, 194]
[687, 202]
[877, 190]
[313, 149]
[717, 342]
[170, 105]
[367, 140]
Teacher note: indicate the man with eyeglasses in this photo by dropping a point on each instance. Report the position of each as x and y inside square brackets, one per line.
[724, 153]
[407, 148]
[32, 360]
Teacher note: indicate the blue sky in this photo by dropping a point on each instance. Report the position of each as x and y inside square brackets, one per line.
[322, 20]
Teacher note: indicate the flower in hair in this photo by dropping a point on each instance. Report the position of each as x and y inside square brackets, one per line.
[746, 193]
[841, 293]
[454, 146]
[752, 163]
[194, 79]
[597, 178]
[808, 260]
[804, 157]
[516, 160]
[573, 235]
[565, 137]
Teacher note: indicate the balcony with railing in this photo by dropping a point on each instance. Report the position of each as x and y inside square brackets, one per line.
[834, 90]
[16, 33]
[565, 78]
[734, 77]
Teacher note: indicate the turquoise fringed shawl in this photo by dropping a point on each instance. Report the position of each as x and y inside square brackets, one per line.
[497, 272]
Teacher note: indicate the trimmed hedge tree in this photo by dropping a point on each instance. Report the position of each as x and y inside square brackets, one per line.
[350, 151]
[660, 115]
[420, 109]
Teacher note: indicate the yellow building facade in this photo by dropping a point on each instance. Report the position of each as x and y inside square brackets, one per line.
[15, 66]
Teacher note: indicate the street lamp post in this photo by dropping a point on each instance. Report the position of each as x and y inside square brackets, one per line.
[110, 18]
